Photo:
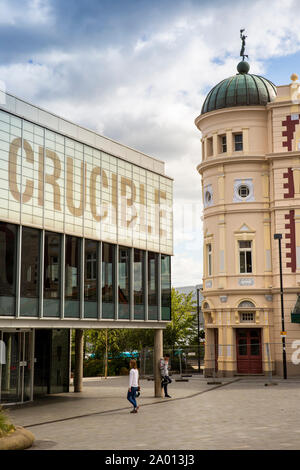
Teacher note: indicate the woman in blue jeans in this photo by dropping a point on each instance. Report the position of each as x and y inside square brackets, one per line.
[133, 385]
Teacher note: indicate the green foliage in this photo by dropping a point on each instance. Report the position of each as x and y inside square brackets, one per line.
[181, 331]
[95, 367]
[124, 371]
[92, 368]
[118, 340]
[5, 425]
[183, 325]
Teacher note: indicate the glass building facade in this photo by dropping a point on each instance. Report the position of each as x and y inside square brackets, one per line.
[86, 239]
[72, 287]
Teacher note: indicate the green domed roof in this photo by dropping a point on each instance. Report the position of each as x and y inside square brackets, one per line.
[242, 89]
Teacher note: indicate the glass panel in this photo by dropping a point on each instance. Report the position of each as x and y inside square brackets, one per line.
[10, 376]
[27, 365]
[90, 279]
[152, 286]
[59, 372]
[8, 250]
[72, 276]
[238, 142]
[249, 261]
[165, 287]
[42, 364]
[242, 262]
[139, 285]
[254, 333]
[30, 260]
[108, 305]
[124, 277]
[52, 274]
[254, 346]
[245, 244]
[242, 345]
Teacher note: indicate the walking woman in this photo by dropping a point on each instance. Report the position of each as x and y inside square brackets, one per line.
[133, 385]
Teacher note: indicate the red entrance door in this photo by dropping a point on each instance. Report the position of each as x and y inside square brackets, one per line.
[249, 351]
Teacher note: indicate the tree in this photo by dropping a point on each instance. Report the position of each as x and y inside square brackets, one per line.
[184, 321]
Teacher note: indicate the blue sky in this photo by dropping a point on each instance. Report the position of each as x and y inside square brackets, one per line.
[137, 71]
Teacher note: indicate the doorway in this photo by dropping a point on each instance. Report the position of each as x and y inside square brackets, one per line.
[249, 351]
[16, 366]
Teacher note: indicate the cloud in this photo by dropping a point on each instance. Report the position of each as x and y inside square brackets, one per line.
[138, 72]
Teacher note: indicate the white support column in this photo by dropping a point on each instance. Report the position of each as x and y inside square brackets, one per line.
[158, 353]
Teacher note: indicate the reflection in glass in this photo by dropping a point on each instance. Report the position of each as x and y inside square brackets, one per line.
[8, 250]
[30, 255]
[90, 279]
[254, 347]
[165, 287]
[152, 286]
[10, 375]
[139, 285]
[124, 276]
[52, 270]
[243, 347]
[108, 307]
[72, 276]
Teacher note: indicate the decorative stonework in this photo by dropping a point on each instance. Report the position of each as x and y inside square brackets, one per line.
[246, 281]
[243, 182]
[290, 125]
[289, 184]
[291, 241]
[208, 196]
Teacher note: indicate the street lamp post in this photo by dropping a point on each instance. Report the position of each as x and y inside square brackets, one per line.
[198, 318]
[278, 236]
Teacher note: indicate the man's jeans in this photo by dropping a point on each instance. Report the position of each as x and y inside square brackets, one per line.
[165, 382]
[131, 396]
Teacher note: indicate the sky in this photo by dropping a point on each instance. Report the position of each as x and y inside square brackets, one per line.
[137, 71]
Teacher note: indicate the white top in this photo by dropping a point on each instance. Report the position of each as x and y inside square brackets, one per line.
[166, 368]
[133, 378]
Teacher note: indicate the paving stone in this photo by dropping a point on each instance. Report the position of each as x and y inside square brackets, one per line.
[243, 414]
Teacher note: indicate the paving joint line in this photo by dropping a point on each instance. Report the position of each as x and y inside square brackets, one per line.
[123, 409]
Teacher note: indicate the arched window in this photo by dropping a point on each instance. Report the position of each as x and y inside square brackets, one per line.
[246, 304]
[247, 317]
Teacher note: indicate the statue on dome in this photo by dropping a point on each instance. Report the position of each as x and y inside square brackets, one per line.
[243, 38]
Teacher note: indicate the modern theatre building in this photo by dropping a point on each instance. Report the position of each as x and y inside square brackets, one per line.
[85, 242]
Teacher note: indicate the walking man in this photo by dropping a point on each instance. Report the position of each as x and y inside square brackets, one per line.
[164, 367]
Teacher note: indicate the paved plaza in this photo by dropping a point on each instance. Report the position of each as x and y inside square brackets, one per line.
[241, 413]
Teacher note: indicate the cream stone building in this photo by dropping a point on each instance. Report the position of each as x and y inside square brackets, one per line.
[251, 190]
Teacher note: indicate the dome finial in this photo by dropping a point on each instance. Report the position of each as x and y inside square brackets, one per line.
[243, 38]
[243, 67]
